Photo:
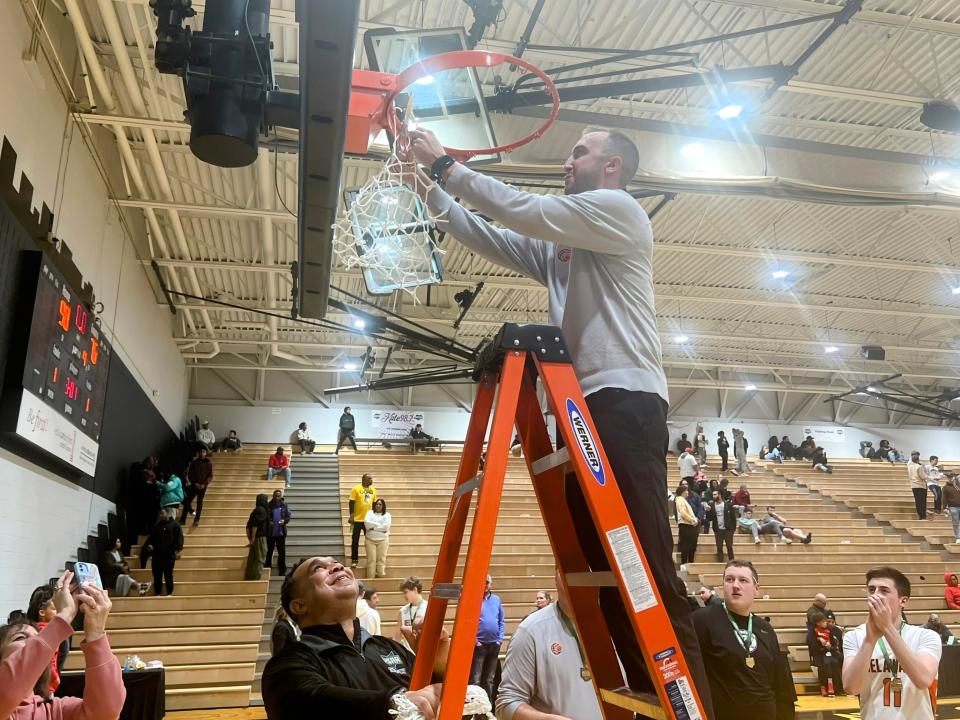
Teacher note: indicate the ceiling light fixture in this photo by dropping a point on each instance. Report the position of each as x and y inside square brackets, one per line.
[730, 111]
[779, 274]
[350, 366]
[680, 338]
[425, 80]
[956, 291]
[750, 387]
[693, 151]
[359, 324]
[830, 349]
[939, 176]
[871, 388]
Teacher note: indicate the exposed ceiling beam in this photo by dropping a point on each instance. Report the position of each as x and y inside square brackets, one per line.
[233, 385]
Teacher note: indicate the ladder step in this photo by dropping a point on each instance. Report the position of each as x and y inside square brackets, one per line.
[548, 462]
[446, 591]
[604, 578]
[644, 704]
[469, 486]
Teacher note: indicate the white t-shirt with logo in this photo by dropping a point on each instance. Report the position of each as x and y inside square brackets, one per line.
[877, 700]
[688, 465]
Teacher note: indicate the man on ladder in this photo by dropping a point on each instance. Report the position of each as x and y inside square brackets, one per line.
[593, 251]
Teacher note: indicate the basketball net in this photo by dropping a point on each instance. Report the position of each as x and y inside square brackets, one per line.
[476, 706]
[386, 225]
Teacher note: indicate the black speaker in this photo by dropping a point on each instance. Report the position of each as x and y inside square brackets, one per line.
[873, 352]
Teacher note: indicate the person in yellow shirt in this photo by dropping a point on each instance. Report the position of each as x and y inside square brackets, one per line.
[361, 500]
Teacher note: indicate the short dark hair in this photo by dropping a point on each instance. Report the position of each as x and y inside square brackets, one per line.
[379, 500]
[302, 425]
[38, 598]
[934, 457]
[708, 587]
[369, 592]
[366, 476]
[411, 583]
[287, 589]
[817, 616]
[900, 580]
[347, 407]
[744, 564]
[279, 448]
[617, 143]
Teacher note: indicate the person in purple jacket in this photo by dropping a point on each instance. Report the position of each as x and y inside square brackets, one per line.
[490, 633]
[280, 515]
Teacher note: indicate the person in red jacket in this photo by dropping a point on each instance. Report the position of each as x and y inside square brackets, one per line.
[199, 475]
[951, 593]
[279, 465]
[26, 655]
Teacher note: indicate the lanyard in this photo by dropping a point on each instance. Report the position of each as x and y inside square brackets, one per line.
[737, 631]
[584, 672]
[893, 664]
[414, 611]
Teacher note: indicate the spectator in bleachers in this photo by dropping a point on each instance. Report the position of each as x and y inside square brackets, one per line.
[741, 499]
[723, 518]
[348, 425]
[700, 445]
[951, 593]
[164, 545]
[806, 448]
[337, 669]
[775, 524]
[773, 455]
[359, 504]
[206, 437]
[918, 484]
[773, 443]
[819, 605]
[279, 464]
[199, 477]
[412, 613]
[127, 586]
[277, 539]
[543, 599]
[367, 612]
[819, 460]
[747, 523]
[258, 530]
[936, 624]
[688, 466]
[285, 633]
[951, 501]
[883, 450]
[377, 523]
[27, 655]
[723, 450]
[231, 443]
[887, 659]
[490, 634]
[787, 450]
[423, 441]
[688, 527]
[110, 564]
[723, 485]
[824, 645]
[749, 676]
[171, 490]
[683, 444]
[306, 443]
[933, 475]
[42, 610]
[708, 596]
[544, 674]
[740, 440]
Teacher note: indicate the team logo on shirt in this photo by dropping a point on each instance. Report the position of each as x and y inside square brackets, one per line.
[556, 648]
[588, 448]
[394, 663]
[564, 255]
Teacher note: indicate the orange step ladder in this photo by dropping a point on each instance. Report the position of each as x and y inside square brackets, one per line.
[511, 365]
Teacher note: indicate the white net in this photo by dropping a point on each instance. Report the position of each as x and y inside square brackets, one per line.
[476, 706]
[386, 231]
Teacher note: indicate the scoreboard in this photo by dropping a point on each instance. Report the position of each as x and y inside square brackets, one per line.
[66, 362]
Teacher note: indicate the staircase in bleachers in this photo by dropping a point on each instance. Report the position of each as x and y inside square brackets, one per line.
[207, 633]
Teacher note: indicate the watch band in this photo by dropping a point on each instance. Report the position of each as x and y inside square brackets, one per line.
[439, 167]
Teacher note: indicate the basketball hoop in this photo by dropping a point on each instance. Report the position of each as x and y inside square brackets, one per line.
[387, 230]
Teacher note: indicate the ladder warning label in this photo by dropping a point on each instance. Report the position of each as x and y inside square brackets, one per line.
[676, 685]
[639, 587]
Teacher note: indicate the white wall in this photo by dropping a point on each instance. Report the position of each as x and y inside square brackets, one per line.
[43, 518]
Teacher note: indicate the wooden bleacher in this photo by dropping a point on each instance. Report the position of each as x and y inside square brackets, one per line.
[845, 544]
[207, 634]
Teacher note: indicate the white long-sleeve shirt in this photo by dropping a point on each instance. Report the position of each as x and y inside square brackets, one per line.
[206, 436]
[378, 525]
[593, 251]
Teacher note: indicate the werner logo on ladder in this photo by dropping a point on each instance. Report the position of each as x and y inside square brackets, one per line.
[507, 372]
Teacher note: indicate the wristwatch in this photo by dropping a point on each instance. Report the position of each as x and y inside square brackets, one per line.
[439, 167]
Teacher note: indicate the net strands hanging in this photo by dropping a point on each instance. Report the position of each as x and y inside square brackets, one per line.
[386, 230]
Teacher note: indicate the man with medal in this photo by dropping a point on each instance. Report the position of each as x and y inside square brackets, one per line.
[749, 676]
[889, 664]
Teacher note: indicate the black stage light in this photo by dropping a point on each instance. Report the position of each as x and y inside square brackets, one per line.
[941, 115]
[873, 352]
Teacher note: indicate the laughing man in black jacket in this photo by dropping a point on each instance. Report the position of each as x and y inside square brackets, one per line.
[337, 665]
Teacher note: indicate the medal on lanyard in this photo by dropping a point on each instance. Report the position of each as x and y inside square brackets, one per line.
[896, 683]
[584, 670]
[750, 661]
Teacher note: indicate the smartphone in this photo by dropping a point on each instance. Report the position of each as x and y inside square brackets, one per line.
[87, 573]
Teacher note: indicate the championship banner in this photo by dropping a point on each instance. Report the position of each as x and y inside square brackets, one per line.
[825, 434]
[395, 424]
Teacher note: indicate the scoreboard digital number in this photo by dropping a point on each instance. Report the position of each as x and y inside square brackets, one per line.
[64, 374]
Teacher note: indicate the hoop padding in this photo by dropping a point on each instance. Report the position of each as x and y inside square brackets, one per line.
[460, 59]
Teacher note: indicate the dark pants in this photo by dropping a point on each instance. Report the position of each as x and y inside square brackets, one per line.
[162, 571]
[307, 445]
[484, 668]
[346, 436]
[280, 543]
[722, 537]
[920, 500]
[632, 428]
[358, 527]
[724, 457]
[687, 542]
[937, 498]
[193, 492]
[830, 668]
